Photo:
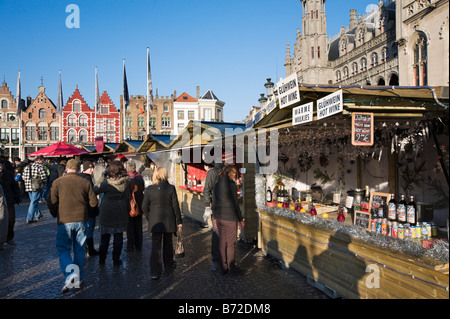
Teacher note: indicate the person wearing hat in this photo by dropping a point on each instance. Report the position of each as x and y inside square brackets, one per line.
[87, 169]
[73, 195]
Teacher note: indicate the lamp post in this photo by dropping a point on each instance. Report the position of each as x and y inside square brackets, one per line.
[269, 88]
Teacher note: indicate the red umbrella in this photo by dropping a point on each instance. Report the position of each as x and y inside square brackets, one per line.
[59, 149]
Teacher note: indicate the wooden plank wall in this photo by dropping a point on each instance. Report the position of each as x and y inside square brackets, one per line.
[348, 265]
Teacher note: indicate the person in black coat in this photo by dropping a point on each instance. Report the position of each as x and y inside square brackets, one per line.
[12, 195]
[160, 207]
[227, 217]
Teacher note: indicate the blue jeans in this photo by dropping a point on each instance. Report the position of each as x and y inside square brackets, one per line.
[33, 210]
[68, 236]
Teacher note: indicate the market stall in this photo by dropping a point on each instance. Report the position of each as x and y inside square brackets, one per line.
[342, 153]
[188, 151]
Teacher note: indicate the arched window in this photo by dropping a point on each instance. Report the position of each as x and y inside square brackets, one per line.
[420, 61]
[83, 120]
[361, 37]
[343, 47]
[363, 64]
[76, 106]
[384, 55]
[83, 136]
[338, 76]
[71, 120]
[374, 59]
[42, 114]
[354, 68]
[4, 104]
[72, 136]
[345, 73]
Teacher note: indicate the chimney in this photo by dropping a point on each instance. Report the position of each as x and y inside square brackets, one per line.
[198, 92]
[353, 20]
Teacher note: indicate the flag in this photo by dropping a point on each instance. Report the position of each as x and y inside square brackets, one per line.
[59, 103]
[149, 85]
[18, 97]
[97, 96]
[126, 98]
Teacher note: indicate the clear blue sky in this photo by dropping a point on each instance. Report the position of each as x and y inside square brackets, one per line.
[230, 47]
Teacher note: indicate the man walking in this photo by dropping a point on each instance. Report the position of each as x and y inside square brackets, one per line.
[73, 195]
[34, 177]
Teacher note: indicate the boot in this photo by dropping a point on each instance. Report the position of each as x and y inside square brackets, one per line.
[90, 247]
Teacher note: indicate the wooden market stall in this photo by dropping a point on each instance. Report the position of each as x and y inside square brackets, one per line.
[188, 150]
[321, 157]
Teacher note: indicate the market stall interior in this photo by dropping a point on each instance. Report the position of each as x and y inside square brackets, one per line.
[369, 181]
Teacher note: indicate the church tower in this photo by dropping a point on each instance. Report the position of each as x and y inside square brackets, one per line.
[313, 44]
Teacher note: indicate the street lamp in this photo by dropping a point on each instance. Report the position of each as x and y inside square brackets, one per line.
[269, 88]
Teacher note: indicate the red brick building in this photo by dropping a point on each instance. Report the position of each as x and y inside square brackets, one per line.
[108, 120]
[77, 121]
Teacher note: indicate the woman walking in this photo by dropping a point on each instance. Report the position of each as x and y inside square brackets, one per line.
[161, 208]
[113, 216]
[227, 217]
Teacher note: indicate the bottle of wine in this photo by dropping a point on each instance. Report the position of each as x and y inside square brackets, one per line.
[392, 208]
[268, 195]
[365, 201]
[411, 212]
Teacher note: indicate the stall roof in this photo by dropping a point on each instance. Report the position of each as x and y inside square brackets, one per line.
[128, 146]
[209, 132]
[154, 142]
[107, 149]
[384, 101]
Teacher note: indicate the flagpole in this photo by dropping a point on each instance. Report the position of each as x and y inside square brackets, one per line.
[123, 102]
[149, 91]
[59, 106]
[96, 104]
[19, 116]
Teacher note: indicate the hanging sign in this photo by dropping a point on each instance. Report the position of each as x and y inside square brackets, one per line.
[330, 105]
[362, 129]
[99, 144]
[288, 92]
[302, 114]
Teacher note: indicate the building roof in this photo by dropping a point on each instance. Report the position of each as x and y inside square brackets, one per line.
[185, 98]
[209, 95]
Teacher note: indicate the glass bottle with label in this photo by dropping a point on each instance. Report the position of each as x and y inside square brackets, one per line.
[392, 208]
[268, 195]
[401, 210]
[365, 201]
[411, 211]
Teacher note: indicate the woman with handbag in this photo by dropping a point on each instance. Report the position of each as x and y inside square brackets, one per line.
[161, 208]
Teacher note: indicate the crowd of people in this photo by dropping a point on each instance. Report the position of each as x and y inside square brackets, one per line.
[78, 194]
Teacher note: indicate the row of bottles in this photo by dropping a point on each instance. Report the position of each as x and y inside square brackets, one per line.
[403, 212]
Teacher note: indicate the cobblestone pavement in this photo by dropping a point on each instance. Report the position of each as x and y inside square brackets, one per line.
[30, 270]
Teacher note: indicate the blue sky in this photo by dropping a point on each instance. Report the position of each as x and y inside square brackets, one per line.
[230, 47]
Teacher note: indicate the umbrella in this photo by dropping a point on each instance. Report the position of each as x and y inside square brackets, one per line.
[59, 149]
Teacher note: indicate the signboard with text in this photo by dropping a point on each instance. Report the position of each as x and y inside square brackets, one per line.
[362, 129]
[302, 114]
[330, 105]
[288, 92]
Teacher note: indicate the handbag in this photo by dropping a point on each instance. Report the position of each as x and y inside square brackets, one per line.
[179, 247]
[134, 208]
[36, 182]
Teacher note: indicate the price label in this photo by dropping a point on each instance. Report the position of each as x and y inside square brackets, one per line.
[362, 129]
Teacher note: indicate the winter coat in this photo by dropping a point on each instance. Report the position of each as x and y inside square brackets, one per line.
[225, 203]
[114, 207]
[37, 171]
[161, 208]
[212, 177]
[73, 195]
[10, 188]
[92, 211]
[3, 217]
[137, 184]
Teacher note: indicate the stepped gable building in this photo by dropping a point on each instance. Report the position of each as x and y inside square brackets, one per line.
[9, 123]
[399, 42]
[107, 120]
[160, 118]
[41, 123]
[77, 121]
